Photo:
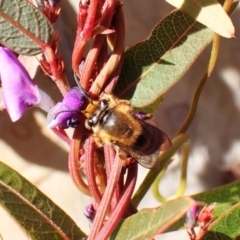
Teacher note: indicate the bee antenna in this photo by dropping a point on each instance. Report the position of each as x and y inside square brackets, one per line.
[82, 89]
[64, 111]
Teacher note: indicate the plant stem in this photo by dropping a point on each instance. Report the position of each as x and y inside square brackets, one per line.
[183, 178]
[106, 199]
[73, 161]
[118, 212]
[90, 174]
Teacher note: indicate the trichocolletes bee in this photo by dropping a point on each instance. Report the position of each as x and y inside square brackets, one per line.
[113, 121]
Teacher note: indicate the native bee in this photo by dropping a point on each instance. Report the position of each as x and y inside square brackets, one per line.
[114, 122]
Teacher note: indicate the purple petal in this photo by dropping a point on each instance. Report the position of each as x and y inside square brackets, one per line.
[67, 113]
[18, 88]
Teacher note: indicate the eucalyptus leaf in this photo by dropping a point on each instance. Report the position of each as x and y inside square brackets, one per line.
[36, 214]
[24, 29]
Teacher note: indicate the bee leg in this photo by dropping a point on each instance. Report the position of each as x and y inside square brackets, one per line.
[129, 161]
[123, 155]
[97, 140]
[126, 160]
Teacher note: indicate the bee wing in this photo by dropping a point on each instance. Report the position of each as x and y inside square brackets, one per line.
[150, 161]
[147, 147]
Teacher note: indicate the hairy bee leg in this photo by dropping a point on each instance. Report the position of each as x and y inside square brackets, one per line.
[126, 160]
[97, 140]
[122, 154]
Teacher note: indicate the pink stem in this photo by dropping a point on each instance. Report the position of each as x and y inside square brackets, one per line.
[73, 161]
[109, 154]
[90, 20]
[106, 200]
[91, 178]
[96, 46]
[113, 61]
[118, 212]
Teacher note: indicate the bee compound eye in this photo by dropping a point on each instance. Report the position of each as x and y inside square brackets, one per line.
[72, 122]
[103, 104]
[92, 121]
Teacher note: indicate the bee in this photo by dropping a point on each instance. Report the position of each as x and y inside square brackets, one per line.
[114, 122]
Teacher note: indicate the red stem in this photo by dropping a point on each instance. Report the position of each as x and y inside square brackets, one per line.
[106, 200]
[118, 212]
[83, 35]
[58, 77]
[77, 54]
[96, 46]
[109, 154]
[91, 178]
[73, 161]
[90, 20]
[91, 60]
[113, 61]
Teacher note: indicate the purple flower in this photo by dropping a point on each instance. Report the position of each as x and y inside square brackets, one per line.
[67, 113]
[19, 91]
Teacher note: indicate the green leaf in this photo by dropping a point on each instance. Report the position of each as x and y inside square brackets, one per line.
[24, 29]
[151, 67]
[150, 222]
[36, 214]
[226, 193]
[226, 226]
[208, 12]
[225, 196]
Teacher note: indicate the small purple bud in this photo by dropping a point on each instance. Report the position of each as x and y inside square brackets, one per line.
[66, 113]
[90, 212]
[191, 216]
[143, 115]
[19, 91]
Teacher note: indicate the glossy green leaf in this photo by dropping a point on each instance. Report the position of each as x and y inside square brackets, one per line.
[151, 67]
[24, 29]
[149, 222]
[226, 193]
[208, 12]
[225, 196]
[36, 214]
[226, 226]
